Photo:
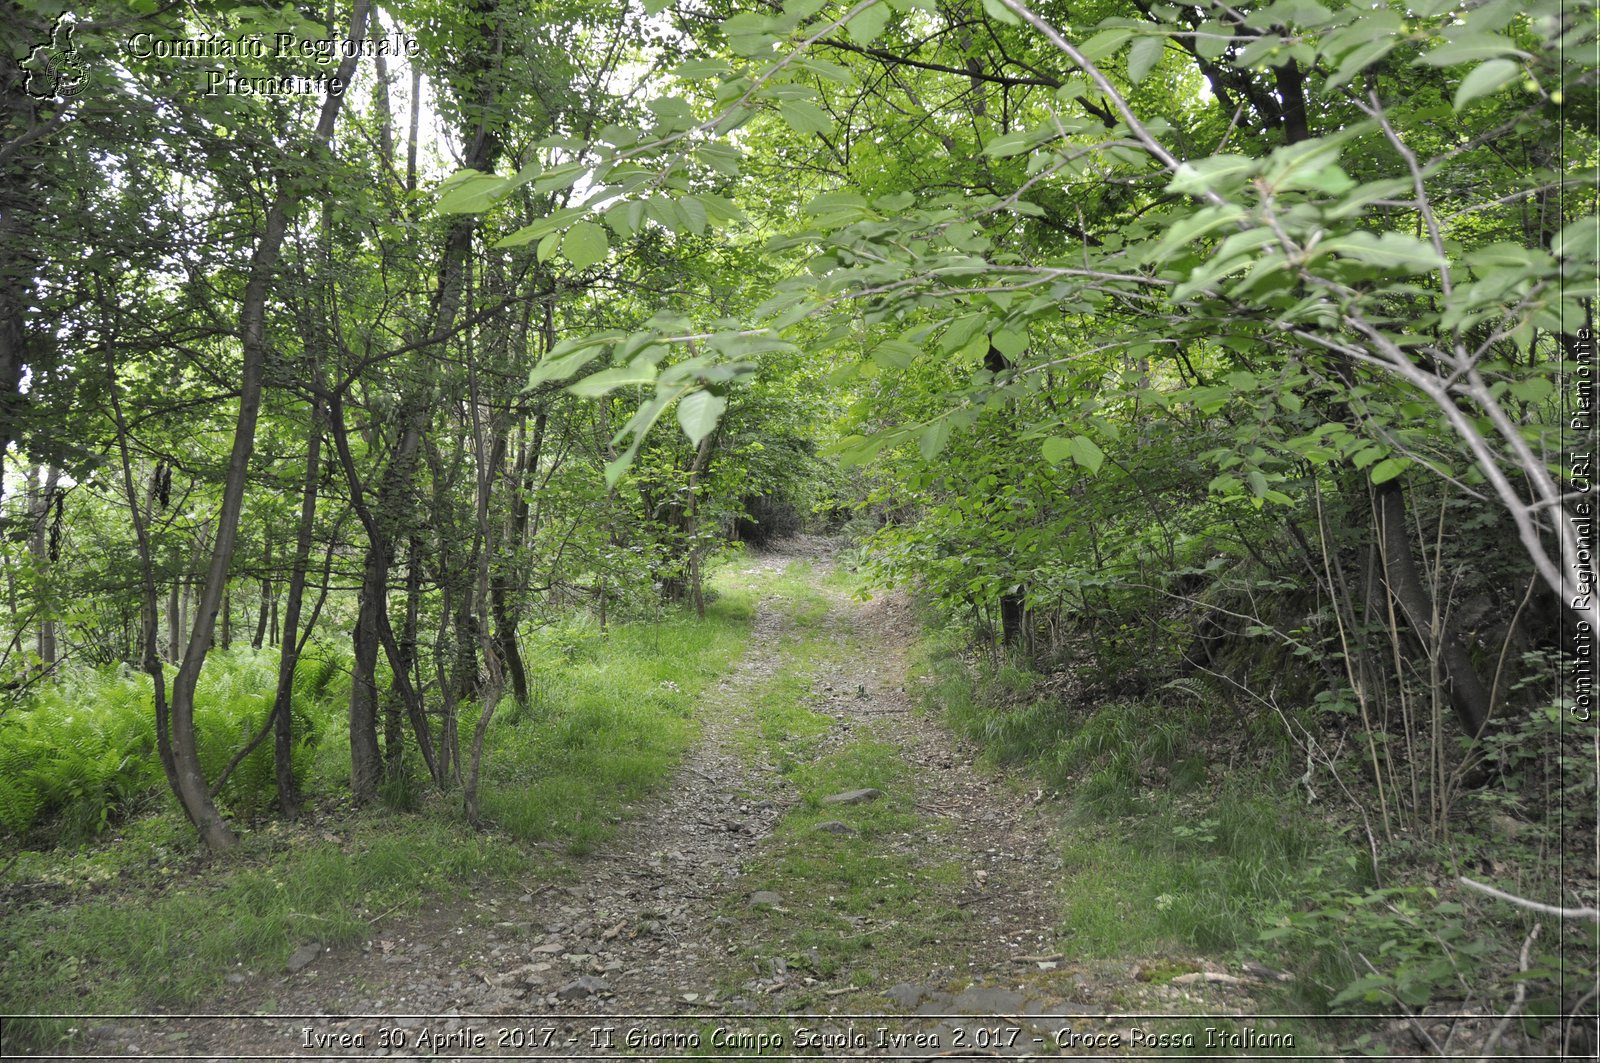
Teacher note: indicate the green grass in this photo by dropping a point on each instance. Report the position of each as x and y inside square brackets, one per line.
[1201, 876]
[1163, 858]
[147, 923]
[856, 905]
[610, 715]
[783, 726]
[145, 920]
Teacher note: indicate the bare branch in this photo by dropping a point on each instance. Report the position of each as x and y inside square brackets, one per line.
[1591, 914]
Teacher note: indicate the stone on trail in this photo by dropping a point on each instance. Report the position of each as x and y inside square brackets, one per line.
[1206, 976]
[765, 899]
[302, 957]
[833, 826]
[985, 1000]
[853, 797]
[905, 994]
[1265, 973]
[586, 986]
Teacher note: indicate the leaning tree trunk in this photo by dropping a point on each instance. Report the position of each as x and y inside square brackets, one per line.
[383, 520]
[192, 789]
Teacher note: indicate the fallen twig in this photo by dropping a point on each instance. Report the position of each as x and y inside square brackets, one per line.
[1517, 1001]
[1591, 914]
[1572, 1023]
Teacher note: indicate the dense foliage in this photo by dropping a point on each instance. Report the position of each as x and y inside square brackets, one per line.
[1205, 354]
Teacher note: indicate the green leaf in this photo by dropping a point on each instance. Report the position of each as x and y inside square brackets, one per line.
[1486, 78]
[591, 387]
[1358, 60]
[720, 157]
[1388, 469]
[537, 230]
[1104, 43]
[805, 117]
[720, 211]
[1144, 55]
[694, 214]
[895, 354]
[585, 244]
[1468, 48]
[562, 368]
[1534, 389]
[1010, 343]
[865, 27]
[829, 202]
[1210, 45]
[934, 438]
[1364, 195]
[964, 330]
[548, 247]
[1192, 227]
[468, 192]
[998, 11]
[1057, 449]
[663, 210]
[1578, 241]
[698, 69]
[698, 413]
[1087, 453]
[1387, 250]
[1212, 173]
[1008, 144]
[560, 177]
[831, 71]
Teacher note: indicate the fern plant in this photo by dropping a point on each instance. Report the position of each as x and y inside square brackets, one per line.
[81, 753]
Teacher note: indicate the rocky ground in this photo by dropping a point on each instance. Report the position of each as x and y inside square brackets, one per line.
[633, 951]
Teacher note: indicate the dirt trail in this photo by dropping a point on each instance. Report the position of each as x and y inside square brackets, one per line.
[634, 940]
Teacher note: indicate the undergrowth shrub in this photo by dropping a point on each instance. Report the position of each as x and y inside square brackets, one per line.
[81, 753]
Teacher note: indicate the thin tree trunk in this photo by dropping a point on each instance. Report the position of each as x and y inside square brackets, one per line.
[505, 622]
[44, 499]
[20, 198]
[365, 759]
[1433, 627]
[1012, 616]
[174, 622]
[185, 595]
[702, 457]
[289, 658]
[494, 676]
[150, 615]
[394, 734]
[266, 597]
[372, 621]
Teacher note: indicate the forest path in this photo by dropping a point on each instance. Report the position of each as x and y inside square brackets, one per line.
[755, 901]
